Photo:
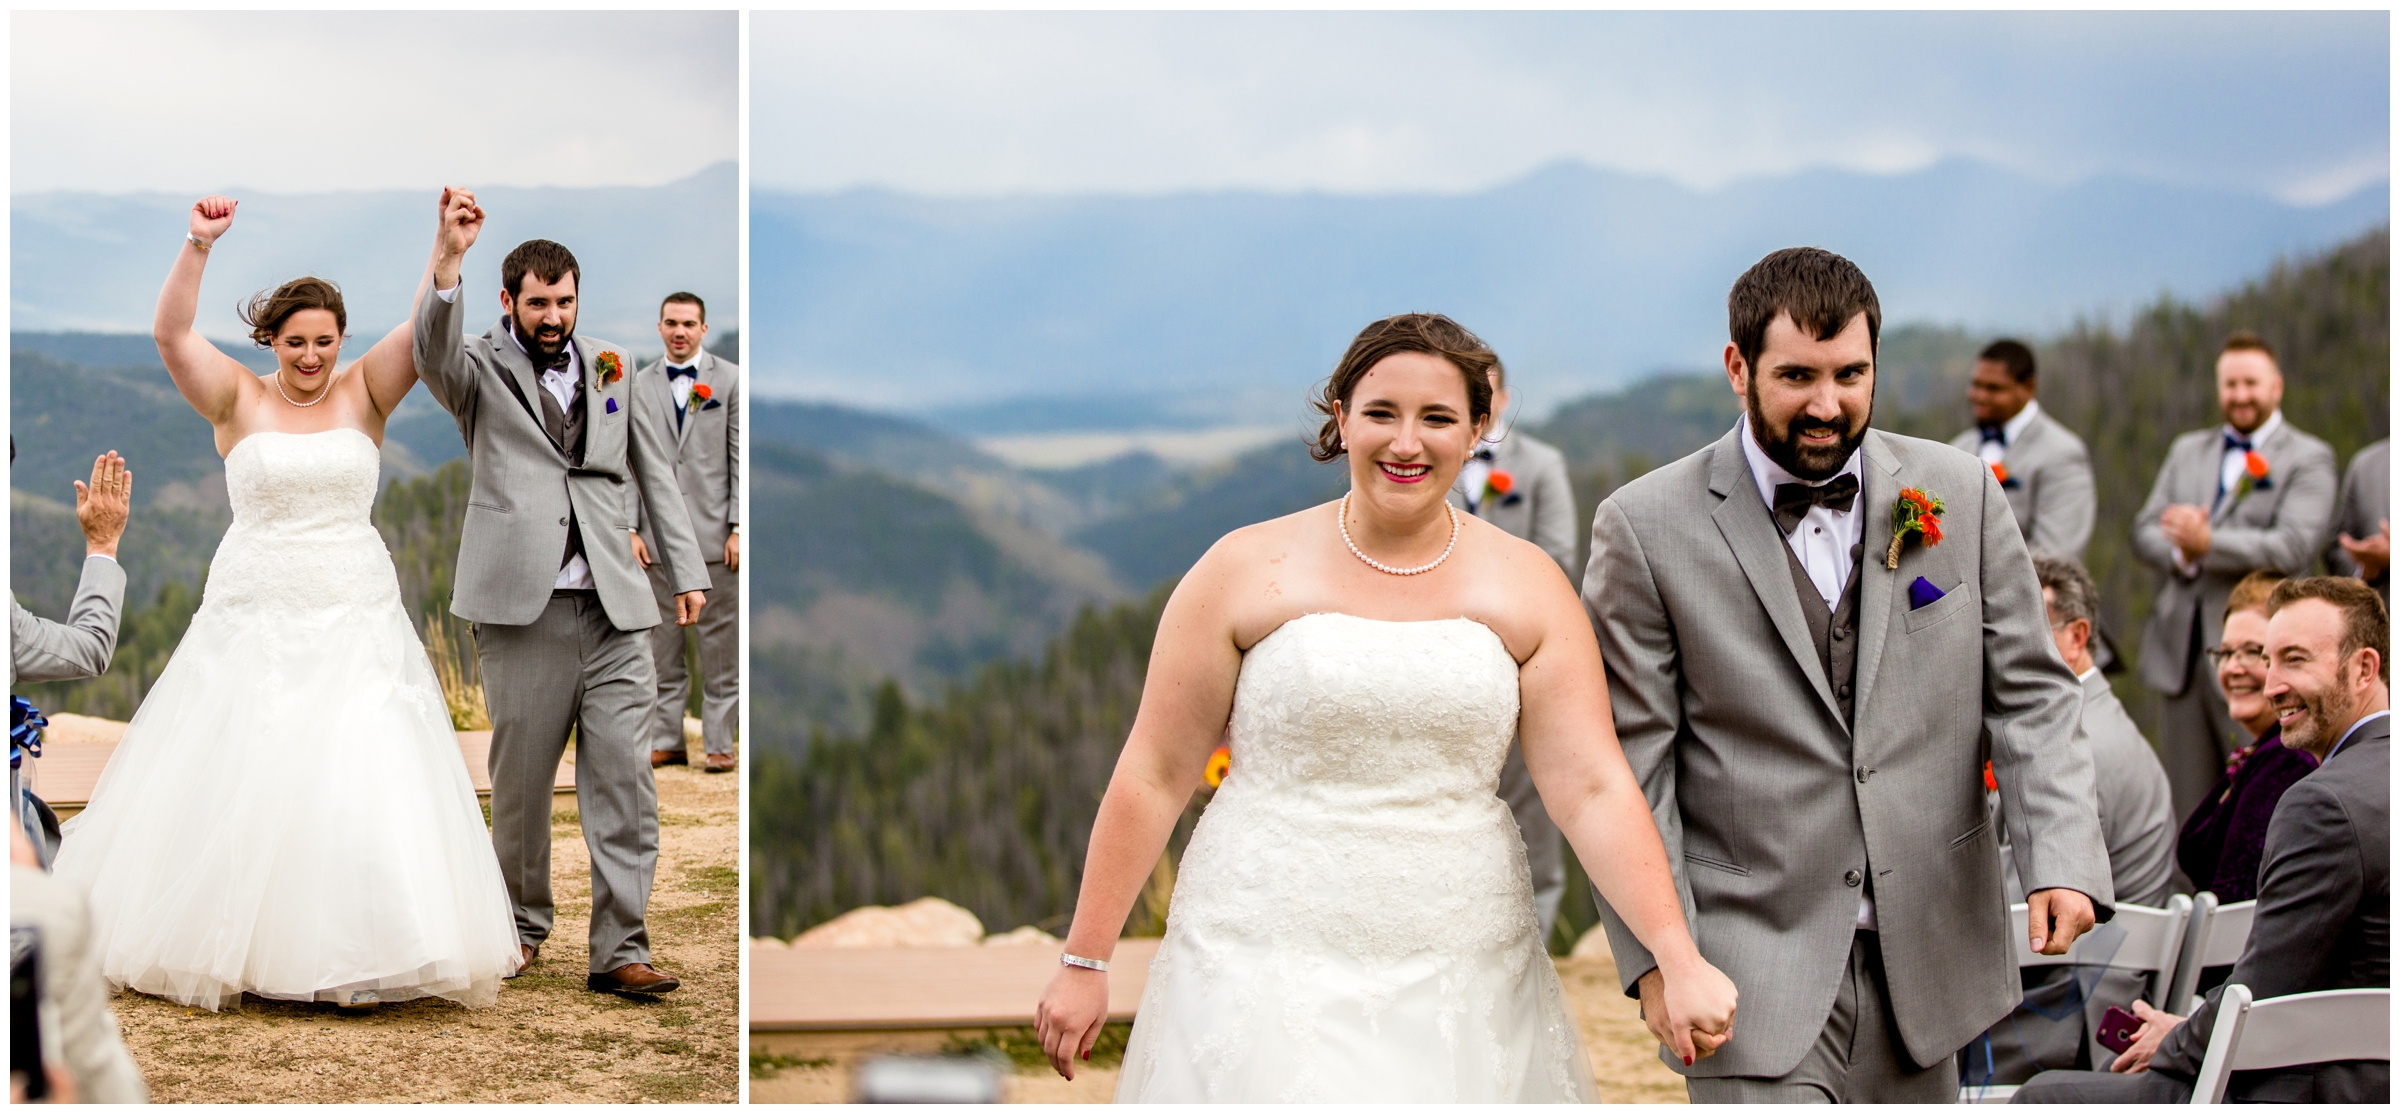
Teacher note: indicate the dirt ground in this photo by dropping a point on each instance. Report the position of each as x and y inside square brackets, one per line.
[1623, 1054]
[548, 1039]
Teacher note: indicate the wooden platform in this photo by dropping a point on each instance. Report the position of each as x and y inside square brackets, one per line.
[76, 748]
[854, 990]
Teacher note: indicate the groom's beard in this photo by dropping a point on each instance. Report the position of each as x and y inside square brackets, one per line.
[546, 350]
[1783, 446]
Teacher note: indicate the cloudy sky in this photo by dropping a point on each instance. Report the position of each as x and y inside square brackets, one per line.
[2295, 106]
[298, 102]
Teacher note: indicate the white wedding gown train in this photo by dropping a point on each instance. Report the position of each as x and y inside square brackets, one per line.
[1353, 920]
[288, 813]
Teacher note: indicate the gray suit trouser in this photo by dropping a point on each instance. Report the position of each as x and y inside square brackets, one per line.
[720, 662]
[1544, 853]
[1856, 1058]
[573, 669]
[2196, 734]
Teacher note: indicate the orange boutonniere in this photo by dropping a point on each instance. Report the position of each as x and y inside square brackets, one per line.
[2000, 472]
[1497, 486]
[1990, 784]
[610, 366]
[1220, 763]
[2254, 475]
[706, 397]
[1914, 512]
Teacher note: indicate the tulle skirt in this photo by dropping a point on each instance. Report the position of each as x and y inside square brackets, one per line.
[288, 815]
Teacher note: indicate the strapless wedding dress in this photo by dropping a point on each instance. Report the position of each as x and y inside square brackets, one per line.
[1353, 920]
[288, 814]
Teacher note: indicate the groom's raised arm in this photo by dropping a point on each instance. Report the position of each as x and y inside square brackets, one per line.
[438, 344]
[1637, 644]
[2032, 710]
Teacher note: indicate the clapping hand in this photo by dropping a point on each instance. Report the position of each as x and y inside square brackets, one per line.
[103, 505]
[211, 216]
[2156, 1024]
[2187, 527]
[2372, 555]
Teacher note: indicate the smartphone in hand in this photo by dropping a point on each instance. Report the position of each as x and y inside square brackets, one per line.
[2117, 1028]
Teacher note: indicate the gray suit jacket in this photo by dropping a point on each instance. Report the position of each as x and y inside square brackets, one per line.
[1773, 809]
[40, 650]
[2324, 919]
[2137, 814]
[2366, 501]
[2279, 526]
[1540, 507]
[523, 485]
[2049, 485]
[708, 449]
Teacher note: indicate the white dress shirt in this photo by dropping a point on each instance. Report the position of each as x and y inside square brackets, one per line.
[1994, 452]
[682, 387]
[562, 383]
[2229, 471]
[1823, 544]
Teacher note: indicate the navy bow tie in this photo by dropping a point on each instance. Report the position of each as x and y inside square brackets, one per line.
[1996, 433]
[674, 372]
[1483, 454]
[2236, 441]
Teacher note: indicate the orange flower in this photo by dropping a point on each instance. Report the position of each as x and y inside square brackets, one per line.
[2255, 465]
[1990, 784]
[1500, 481]
[700, 391]
[1220, 762]
[2000, 472]
[1932, 528]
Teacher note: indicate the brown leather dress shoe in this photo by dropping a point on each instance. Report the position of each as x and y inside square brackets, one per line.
[669, 758]
[722, 763]
[525, 954]
[632, 978]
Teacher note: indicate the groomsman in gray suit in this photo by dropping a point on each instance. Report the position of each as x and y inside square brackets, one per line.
[700, 398]
[2042, 466]
[1803, 663]
[1519, 484]
[548, 581]
[40, 650]
[2251, 494]
[2362, 524]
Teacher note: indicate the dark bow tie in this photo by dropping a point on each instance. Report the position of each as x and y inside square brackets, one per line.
[1996, 433]
[542, 361]
[1483, 454]
[692, 372]
[2236, 441]
[1792, 501]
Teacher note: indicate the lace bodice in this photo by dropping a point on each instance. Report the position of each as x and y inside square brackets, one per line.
[301, 537]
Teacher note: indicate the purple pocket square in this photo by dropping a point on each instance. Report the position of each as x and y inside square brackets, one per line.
[612, 406]
[1922, 592]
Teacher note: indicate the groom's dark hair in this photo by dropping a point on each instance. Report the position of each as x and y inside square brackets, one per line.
[546, 260]
[1822, 291]
[1430, 333]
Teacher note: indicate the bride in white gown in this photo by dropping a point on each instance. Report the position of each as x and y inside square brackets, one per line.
[1352, 921]
[288, 814]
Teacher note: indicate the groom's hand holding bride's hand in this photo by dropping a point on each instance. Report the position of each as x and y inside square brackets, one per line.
[2054, 918]
[1070, 1015]
[1692, 1016]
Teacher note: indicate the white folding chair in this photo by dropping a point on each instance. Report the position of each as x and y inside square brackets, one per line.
[2139, 938]
[2291, 1030]
[2216, 939]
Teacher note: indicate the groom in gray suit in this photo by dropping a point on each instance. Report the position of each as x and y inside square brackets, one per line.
[547, 578]
[2251, 494]
[1804, 700]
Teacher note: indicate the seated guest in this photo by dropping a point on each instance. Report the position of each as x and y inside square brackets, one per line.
[2057, 1025]
[2223, 838]
[91, 1062]
[2324, 890]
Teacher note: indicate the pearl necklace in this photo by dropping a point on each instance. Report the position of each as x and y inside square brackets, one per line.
[1344, 522]
[321, 391]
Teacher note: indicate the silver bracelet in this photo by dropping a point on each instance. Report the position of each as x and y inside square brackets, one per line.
[196, 241]
[1078, 961]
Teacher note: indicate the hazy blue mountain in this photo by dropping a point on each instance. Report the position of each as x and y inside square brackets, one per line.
[1195, 310]
[94, 262]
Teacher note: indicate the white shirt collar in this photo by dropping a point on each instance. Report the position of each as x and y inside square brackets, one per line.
[2364, 720]
[2087, 674]
[1768, 474]
[2265, 429]
[2014, 428]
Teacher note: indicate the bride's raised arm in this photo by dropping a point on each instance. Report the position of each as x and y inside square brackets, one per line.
[1187, 697]
[390, 367]
[209, 379]
[1570, 742]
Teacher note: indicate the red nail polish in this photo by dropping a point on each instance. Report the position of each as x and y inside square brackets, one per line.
[1087, 1055]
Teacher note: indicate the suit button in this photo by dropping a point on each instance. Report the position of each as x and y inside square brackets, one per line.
[1851, 879]
[1840, 633]
[562, 522]
[1863, 773]
[1843, 692]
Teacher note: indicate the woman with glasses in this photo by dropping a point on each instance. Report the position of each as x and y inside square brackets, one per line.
[2224, 836]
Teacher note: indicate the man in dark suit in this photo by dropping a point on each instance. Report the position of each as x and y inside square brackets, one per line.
[2324, 893]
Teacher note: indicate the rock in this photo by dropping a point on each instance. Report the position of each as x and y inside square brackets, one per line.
[1593, 944]
[1020, 936]
[928, 922]
[765, 942]
[69, 729]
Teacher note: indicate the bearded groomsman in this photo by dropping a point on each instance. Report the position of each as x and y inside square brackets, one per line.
[699, 397]
[1810, 629]
[2251, 494]
[2042, 466]
[1520, 485]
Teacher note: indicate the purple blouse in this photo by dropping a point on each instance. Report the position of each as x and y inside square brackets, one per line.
[2224, 838]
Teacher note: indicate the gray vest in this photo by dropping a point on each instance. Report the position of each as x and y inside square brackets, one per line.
[1834, 631]
[565, 427]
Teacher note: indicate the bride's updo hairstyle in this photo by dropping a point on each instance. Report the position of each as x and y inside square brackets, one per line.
[266, 311]
[1430, 333]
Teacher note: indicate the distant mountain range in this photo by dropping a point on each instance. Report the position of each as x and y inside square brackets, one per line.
[93, 262]
[992, 316]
